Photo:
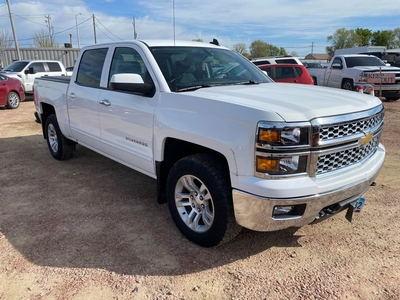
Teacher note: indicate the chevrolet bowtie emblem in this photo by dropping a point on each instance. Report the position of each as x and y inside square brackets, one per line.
[366, 139]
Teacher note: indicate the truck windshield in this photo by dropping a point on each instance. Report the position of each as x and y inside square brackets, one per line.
[16, 66]
[195, 67]
[363, 61]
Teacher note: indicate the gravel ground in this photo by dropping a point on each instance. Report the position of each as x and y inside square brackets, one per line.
[89, 228]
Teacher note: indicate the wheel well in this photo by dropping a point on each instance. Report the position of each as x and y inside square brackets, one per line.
[47, 110]
[315, 80]
[174, 150]
[346, 79]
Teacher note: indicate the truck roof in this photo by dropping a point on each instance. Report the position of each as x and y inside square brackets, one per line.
[355, 55]
[38, 60]
[161, 42]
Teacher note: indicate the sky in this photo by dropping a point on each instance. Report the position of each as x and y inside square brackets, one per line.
[296, 25]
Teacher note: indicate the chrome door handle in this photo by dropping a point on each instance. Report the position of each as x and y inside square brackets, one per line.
[105, 102]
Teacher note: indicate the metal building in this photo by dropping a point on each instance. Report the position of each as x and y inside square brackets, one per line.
[67, 56]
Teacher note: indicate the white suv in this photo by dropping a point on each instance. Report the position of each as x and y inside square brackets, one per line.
[28, 70]
[287, 59]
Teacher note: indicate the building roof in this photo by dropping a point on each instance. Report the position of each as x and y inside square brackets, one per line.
[318, 56]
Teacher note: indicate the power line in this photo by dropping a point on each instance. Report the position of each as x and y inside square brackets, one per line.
[108, 30]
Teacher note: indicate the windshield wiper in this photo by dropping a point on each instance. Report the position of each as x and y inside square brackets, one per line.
[193, 88]
[249, 82]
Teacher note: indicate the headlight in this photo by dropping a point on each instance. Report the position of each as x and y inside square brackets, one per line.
[281, 134]
[284, 165]
[282, 149]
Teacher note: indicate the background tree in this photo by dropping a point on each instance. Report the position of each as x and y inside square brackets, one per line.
[363, 37]
[294, 53]
[384, 38]
[197, 40]
[342, 38]
[43, 40]
[5, 40]
[282, 51]
[241, 48]
[396, 32]
[259, 48]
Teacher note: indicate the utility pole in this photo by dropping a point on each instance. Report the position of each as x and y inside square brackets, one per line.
[77, 30]
[312, 48]
[13, 30]
[50, 28]
[94, 30]
[134, 29]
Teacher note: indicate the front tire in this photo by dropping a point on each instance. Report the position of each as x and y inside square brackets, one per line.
[199, 196]
[13, 100]
[347, 84]
[60, 147]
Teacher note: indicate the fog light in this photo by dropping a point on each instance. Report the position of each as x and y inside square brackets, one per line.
[282, 210]
[286, 212]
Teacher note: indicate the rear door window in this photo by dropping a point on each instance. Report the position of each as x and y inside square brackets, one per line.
[286, 61]
[91, 66]
[54, 67]
[284, 72]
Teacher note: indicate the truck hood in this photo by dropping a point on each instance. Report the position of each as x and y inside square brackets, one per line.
[293, 102]
[11, 74]
[376, 69]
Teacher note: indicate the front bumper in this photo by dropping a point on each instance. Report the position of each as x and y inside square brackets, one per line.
[392, 90]
[257, 212]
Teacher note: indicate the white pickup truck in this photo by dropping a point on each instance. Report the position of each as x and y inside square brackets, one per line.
[354, 70]
[228, 147]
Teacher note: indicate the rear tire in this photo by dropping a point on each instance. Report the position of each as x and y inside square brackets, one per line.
[347, 84]
[13, 100]
[199, 196]
[60, 147]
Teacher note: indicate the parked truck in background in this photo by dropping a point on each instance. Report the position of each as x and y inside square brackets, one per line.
[389, 56]
[353, 70]
[228, 147]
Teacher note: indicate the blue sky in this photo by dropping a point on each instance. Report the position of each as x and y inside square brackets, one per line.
[294, 25]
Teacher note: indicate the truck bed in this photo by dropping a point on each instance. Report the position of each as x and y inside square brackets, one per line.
[61, 79]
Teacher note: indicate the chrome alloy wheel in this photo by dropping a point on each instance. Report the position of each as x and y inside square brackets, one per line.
[13, 100]
[52, 137]
[194, 203]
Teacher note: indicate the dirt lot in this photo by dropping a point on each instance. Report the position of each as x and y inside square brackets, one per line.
[89, 228]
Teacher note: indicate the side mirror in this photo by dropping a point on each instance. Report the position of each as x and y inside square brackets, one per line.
[132, 83]
[337, 66]
[30, 70]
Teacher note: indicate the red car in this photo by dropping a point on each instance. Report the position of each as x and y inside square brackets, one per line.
[11, 92]
[291, 73]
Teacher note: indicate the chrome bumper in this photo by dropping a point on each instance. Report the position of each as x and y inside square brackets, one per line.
[391, 90]
[256, 213]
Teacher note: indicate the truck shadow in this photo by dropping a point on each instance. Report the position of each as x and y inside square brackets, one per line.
[91, 212]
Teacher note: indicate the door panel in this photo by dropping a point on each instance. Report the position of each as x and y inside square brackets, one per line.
[126, 119]
[83, 98]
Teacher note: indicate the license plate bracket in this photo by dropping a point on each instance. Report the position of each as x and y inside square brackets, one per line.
[355, 208]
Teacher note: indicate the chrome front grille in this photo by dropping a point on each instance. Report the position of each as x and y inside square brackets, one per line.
[344, 140]
[334, 131]
[339, 159]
